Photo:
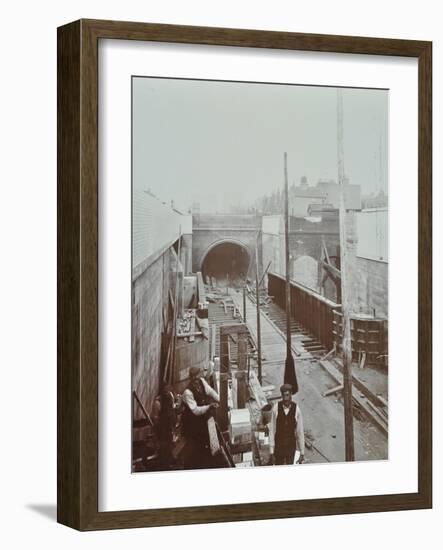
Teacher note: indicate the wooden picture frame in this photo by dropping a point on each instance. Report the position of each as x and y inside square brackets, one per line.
[77, 480]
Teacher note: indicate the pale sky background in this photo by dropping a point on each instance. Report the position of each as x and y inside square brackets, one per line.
[223, 142]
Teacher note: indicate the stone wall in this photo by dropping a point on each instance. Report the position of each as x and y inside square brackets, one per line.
[226, 221]
[149, 298]
[186, 253]
[154, 225]
[367, 278]
[309, 244]
[305, 271]
[305, 239]
[190, 291]
[273, 251]
[373, 286]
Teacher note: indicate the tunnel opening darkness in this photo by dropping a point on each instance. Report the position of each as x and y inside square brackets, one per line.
[227, 264]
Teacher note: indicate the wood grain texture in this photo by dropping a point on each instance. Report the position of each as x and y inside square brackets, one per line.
[68, 275]
[425, 273]
[254, 38]
[89, 275]
[77, 172]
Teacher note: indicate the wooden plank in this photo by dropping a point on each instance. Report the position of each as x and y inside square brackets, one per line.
[140, 404]
[224, 374]
[214, 443]
[335, 389]
[325, 250]
[331, 352]
[382, 401]
[333, 372]
[238, 448]
[192, 331]
[224, 448]
[213, 340]
[361, 402]
[190, 335]
[234, 328]
[377, 411]
[201, 288]
[365, 390]
[257, 391]
[332, 270]
[241, 374]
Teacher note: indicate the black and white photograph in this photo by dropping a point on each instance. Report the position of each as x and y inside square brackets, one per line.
[220, 284]
[260, 307]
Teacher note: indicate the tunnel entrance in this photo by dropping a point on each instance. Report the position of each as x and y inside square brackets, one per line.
[227, 263]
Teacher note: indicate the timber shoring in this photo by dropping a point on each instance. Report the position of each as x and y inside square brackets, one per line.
[314, 312]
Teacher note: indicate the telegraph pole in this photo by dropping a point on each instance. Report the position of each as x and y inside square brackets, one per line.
[346, 343]
[289, 376]
[257, 295]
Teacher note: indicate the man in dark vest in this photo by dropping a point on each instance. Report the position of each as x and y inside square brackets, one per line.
[199, 402]
[286, 429]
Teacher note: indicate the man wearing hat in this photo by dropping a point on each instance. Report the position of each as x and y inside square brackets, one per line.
[199, 401]
[286, 429]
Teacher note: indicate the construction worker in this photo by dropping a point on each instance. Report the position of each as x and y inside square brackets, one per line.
[199, 402]
[165, 419]
[286, 429]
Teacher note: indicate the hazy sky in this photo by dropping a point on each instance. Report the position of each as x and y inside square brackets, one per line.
[215, 141]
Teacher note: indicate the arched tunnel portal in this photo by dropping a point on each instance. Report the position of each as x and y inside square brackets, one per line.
[227, 262]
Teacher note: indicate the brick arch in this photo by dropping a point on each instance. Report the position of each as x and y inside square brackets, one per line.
[225, 241]
[205, 241]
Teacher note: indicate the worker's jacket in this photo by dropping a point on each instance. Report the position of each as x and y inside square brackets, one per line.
[194, 426]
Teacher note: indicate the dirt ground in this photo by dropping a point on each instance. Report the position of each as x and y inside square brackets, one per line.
[323, 417]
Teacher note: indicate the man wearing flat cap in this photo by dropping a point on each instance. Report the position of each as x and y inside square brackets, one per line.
[286, 429]
[199, 401]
